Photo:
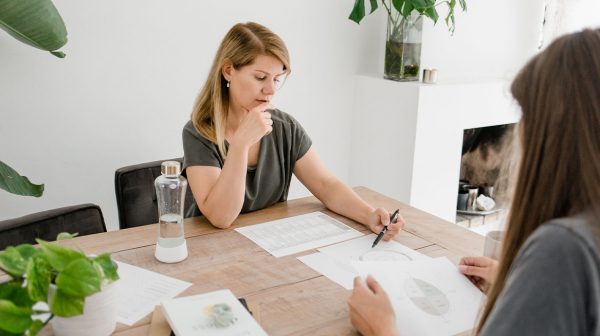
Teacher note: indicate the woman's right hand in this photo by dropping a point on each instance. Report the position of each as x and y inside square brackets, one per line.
[481, 271]
[256, 123]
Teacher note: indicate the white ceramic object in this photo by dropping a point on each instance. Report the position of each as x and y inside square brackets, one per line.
[484, 203]
[99, 315]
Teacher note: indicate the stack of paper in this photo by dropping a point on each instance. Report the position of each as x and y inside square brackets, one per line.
[299, 233]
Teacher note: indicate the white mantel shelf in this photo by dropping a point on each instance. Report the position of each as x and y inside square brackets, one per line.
[407, 136]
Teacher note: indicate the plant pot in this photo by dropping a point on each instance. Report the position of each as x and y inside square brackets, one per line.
[99, 315]
[403, 47]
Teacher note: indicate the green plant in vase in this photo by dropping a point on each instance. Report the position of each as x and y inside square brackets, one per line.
[404, 28]
[58, 275]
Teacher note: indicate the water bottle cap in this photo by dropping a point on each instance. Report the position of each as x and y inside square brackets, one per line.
[170, 168]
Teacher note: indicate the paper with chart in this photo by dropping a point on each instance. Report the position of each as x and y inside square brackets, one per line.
[299, 233]
[430, 297]
[140, 290]
[334, 261]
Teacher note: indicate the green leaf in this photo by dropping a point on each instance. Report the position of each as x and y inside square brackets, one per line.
[398, 4]
[432, 13]
[463, 5]
[109, 268]
[407, 9]
[11, 181]
[79, 278]
[58, 54]
[14, 319]
[66, 236]
[419, 4]
[34, 22]
[358, 11]
[13, 292]
[35, 327]
[39, 275]
[27, 251]
[12, 262]
[451, 5]
[373, 6]
[59, 256]
[65, 305]
[450, 22]
[6, 333]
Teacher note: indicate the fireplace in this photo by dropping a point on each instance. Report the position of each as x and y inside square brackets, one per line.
[482, 187]
[407, 141]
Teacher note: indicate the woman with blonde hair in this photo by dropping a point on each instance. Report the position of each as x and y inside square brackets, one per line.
[240, 151]
[547, 280]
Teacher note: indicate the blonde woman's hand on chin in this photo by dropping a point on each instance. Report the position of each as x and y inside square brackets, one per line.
[256, 124]
[371, 311]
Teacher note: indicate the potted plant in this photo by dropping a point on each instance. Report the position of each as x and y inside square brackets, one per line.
[65, 280]
[36, 23]
[404, 27]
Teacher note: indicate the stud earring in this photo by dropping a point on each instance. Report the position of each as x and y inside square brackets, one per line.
[227, 83]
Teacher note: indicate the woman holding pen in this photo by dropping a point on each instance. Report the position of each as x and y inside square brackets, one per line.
[547, 280]
[240, 151]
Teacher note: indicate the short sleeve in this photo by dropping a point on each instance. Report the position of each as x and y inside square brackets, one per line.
[547, 287]
[301, 140]
[197, 150]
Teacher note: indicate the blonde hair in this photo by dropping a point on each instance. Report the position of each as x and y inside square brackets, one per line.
[559, 174]
[240, 46]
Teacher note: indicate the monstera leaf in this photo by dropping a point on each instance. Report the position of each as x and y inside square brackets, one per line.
[14, 183]
[34, 22]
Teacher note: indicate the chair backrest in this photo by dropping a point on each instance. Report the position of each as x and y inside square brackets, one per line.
[136, 197]
[83, 218]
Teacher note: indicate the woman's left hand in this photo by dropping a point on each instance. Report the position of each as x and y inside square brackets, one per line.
[371, 311]
[379, 218]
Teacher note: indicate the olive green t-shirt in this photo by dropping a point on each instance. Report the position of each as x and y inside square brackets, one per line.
[269, 181]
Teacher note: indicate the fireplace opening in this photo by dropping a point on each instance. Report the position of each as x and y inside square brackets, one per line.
[482, 187]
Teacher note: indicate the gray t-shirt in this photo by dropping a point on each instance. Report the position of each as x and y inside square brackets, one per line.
[269, 181]
[553, 288]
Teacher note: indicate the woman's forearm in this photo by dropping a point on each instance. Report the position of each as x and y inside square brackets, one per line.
[339, 198]
[226, 198]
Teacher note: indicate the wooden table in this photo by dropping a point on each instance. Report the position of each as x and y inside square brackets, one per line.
[285, 296]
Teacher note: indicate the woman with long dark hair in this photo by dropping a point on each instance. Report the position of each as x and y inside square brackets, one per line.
[547, 279]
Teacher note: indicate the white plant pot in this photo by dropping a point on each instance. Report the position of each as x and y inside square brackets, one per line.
[99, 315]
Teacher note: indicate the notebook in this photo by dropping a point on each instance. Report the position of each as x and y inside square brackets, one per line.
[217, 313]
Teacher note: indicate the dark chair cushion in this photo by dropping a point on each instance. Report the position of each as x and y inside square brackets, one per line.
[84, 219]
[136, 197]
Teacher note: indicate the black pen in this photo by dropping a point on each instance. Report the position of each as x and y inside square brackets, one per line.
[393, 219]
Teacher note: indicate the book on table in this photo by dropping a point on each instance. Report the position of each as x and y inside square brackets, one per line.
[217, 313]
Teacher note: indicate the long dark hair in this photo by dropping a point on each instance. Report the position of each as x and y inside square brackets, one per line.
[559, 173]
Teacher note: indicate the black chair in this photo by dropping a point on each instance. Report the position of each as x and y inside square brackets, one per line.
[84, 219]
[136, 197]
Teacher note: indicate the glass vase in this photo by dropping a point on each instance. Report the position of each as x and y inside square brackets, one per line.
[403, 47]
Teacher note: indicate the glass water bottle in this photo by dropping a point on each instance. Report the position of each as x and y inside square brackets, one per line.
[170, 192]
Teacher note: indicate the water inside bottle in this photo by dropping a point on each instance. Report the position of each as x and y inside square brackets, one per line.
[171, 230]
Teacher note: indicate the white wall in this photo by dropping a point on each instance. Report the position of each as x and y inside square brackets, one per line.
[492, 40]
[134, 67]
[126, 87]
[566, 16]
